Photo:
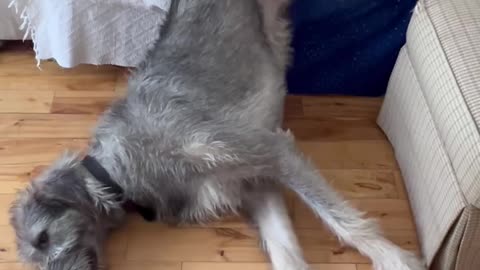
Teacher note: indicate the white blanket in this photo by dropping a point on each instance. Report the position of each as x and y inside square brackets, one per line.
[117, 32]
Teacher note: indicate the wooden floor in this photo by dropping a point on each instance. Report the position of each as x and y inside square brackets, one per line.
[45, 112]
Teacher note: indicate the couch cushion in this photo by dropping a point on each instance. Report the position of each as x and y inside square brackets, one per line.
[338, 44]
[443, 42]
[457, 24]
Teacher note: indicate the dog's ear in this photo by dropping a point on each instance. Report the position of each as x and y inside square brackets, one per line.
[55, 204]
[52, 194]
[62, 190]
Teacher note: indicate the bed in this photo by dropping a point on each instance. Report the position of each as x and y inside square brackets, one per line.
[9, 23]
[115, 32]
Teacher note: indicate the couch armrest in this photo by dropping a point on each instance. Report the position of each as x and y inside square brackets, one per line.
[431, 114]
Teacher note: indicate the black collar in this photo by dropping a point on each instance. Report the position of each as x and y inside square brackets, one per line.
[101, 175]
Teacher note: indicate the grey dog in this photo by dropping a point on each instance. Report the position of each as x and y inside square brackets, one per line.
[196, 137]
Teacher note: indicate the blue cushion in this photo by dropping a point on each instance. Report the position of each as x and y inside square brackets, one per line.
[346, 47]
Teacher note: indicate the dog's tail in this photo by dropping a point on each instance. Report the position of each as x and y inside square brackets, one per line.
[343, 220]
[171, 15]
[164, 29]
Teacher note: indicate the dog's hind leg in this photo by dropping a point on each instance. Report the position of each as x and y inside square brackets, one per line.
[259, 154]
[268, 211]
[347, 223]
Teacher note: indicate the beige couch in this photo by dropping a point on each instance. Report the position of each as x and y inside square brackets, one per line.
[431, 114]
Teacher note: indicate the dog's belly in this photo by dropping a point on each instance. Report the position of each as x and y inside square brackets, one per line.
[207, 202]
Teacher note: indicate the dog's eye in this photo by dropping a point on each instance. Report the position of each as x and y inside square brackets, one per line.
[42, 240]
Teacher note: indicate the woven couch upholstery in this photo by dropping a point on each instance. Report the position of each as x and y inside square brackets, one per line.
[431, 115]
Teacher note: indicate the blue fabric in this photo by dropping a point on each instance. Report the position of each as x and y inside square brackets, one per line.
[346, 47]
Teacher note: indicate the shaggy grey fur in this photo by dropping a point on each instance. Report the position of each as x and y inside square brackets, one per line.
[197, 136]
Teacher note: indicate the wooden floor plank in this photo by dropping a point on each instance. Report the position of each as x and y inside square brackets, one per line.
[229, 245]
[333, 130]
[193, 244]
[121, 84]
[58, 83]
[11, 187]
[19, 173]
[392, 214]
[320, 246]
[258, 266]
[8, 251]
[26, 101]
[15, 266]
[364, 267]
[225, 266]
[341, 107]
[24, 64]
[293, 107]
[354, 154]
[82, 102]
[36, 152]
[5, 202]
[46, 125]
[145, 266]
[117, 244]
[374, 184]
[13, 178]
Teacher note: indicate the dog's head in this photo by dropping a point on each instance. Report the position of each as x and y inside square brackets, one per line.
[56, 221]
